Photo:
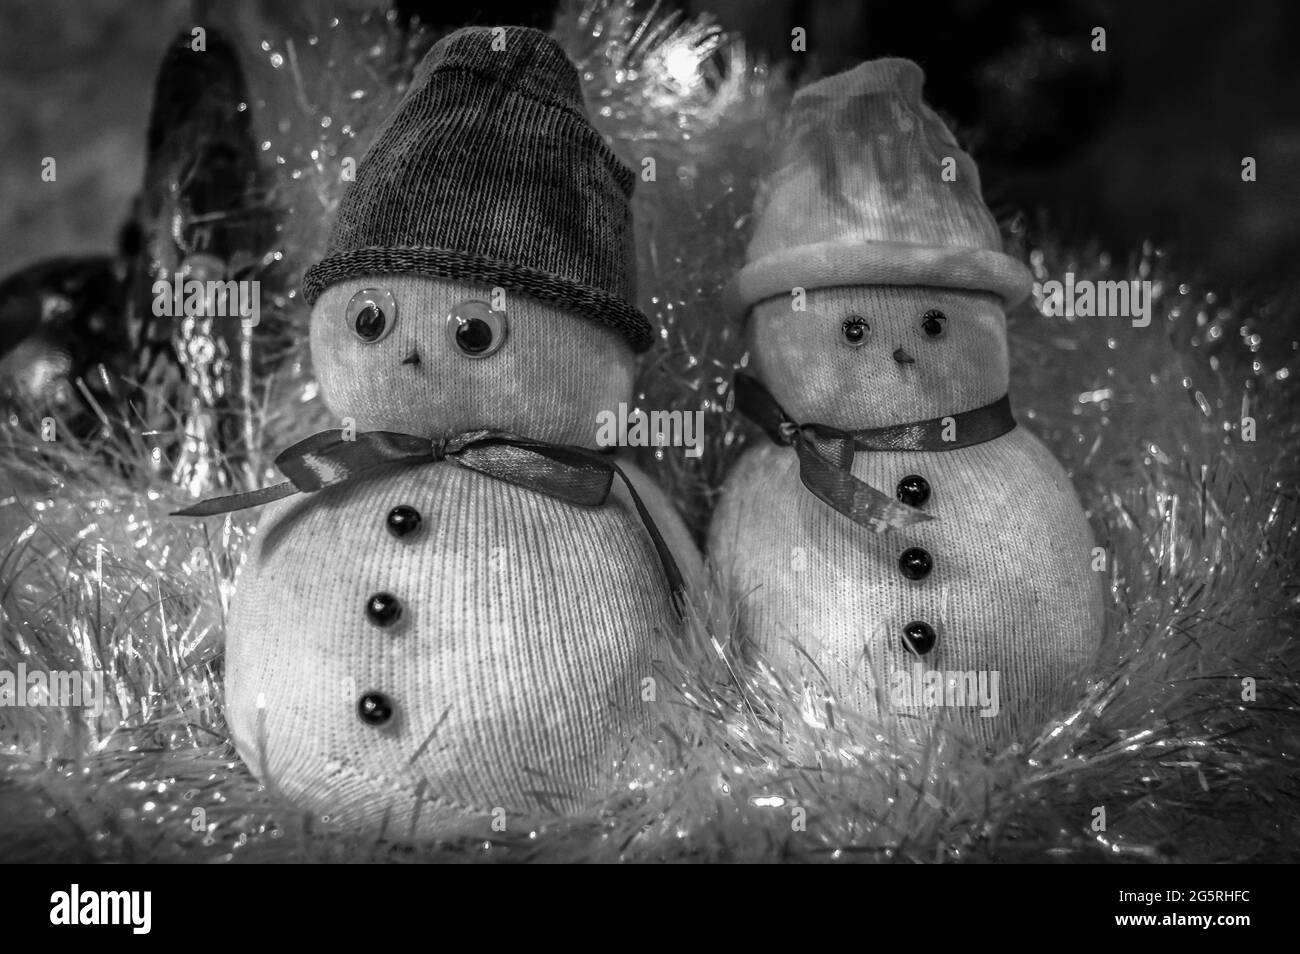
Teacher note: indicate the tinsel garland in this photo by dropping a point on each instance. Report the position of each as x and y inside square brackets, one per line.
[1198, 522]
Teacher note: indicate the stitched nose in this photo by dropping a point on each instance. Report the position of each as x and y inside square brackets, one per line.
[902, 357]
[412, 358]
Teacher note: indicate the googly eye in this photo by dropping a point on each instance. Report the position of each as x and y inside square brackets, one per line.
[856, 330]
[934, 323]
[372, 313]
[475, 330]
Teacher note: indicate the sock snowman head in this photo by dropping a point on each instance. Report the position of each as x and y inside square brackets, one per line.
[875, 278]
[480, 270]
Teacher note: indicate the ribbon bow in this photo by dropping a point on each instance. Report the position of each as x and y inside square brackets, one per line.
[826, 453]
[572, 474]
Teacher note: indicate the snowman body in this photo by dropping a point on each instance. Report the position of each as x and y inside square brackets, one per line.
[1025, 609]
[1002, 575]
[512, 673]
[431, 644]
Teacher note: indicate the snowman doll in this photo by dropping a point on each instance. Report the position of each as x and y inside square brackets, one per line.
[452, 609]
[898, 539]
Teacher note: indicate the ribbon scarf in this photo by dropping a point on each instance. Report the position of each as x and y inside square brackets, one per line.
[826, 453]
[572, 474]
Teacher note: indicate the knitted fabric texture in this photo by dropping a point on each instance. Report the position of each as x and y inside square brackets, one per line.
[527, 624]
[804, 361]
[489, 171]
[549, 380]
[1011, 589]
[859, 196]
[515, 667]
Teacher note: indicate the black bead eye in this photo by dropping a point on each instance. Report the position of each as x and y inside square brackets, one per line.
[375, 708]
[934, 323]
[856, 330]
[372, 312]
[475, 330]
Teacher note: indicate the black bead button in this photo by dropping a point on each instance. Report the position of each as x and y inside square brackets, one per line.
[915, 563]
[375, 708]
[913, 490]
[403, 521]
[383, 609]
[919, 638]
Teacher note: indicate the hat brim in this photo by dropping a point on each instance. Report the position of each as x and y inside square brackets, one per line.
[833, 264]
[615, 313]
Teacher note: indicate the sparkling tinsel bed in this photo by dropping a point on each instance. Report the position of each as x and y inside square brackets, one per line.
[1199, 524]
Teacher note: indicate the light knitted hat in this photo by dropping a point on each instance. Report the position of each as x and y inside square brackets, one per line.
[858, 197]
[489, 171]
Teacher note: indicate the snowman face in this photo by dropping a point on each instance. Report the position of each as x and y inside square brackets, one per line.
[434, 358]
[870, 355]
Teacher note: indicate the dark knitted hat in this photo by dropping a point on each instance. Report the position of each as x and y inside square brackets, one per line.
[489, 171]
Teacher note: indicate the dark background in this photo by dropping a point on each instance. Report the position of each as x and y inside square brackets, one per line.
[1144, 141]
